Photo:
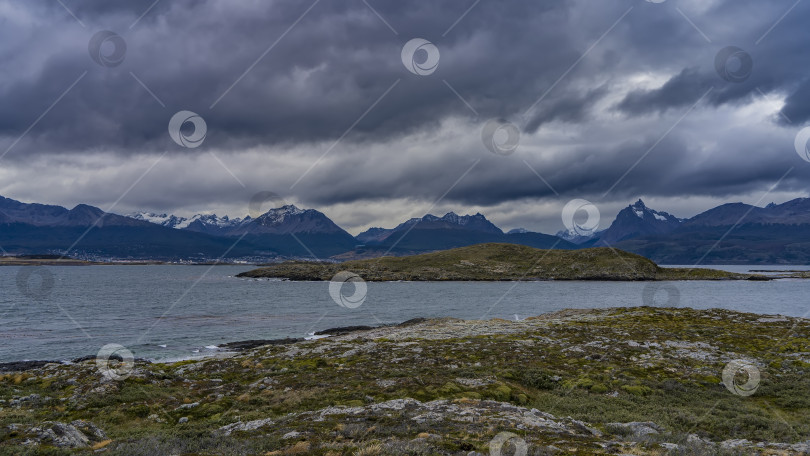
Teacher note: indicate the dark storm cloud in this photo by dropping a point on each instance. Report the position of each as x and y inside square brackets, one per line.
[336, 62]
[591, 92]
[326, 72]
[681, 90]
[569, 108]
[797, 104]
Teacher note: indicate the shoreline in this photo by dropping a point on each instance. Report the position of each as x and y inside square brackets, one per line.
[225, 350]
[235, 348]
[604, 381]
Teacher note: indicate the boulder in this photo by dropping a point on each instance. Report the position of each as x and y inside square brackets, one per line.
[77, 434]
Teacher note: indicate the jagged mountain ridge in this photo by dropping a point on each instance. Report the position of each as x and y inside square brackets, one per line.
[733, 233]
[307, 232]
[282, 220]
[637, 220]
[450, 221]
[777, 233]
[793, 212]
[90, 232]
[45, 215]
[167, 220]
[430, 233]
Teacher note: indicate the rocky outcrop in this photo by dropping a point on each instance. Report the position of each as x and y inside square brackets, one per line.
[76, 434]
[600, 381]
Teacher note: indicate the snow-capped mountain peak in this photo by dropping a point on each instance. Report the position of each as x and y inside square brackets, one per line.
[167, 220]
[285, 219]
[637, 220]
[641, 210]
[280, 214]
[198, 222]
[474, 222]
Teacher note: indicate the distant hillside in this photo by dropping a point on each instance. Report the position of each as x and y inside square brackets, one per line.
[734, 233]
[282, 232]
[496, 262]
[288, 230]
[431, 233]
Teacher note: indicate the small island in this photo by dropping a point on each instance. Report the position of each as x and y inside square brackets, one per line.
[500, 262]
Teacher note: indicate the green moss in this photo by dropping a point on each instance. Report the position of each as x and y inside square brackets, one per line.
[637, 390]
[449, 388]
[599, 388]
[500, 392]
[535, 378]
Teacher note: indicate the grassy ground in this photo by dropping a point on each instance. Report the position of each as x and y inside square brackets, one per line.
[498, 262]
[333, 396]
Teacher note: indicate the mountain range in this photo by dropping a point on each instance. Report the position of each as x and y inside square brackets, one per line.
[733, 233]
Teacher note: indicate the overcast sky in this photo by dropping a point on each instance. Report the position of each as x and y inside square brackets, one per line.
[317, 102]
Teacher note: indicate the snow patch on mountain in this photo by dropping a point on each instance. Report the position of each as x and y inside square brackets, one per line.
[280, 215]
[641, 210]
[167, 220]
[181, 223]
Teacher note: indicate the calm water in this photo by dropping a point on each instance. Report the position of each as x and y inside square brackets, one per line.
[173, 312]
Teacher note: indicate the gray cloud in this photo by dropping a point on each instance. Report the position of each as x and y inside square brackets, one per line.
[596, 115]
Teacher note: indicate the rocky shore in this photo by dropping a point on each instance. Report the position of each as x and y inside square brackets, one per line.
[617, 381]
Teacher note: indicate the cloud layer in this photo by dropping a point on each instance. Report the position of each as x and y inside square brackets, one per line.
[613, 100]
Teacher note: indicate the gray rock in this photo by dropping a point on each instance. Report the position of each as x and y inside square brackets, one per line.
[77, 434]
[803, 448]
[584, 427]
[638, 429]
[183, 420]
[249, 426]
[734, 443]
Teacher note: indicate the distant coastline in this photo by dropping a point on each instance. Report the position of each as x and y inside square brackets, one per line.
[505, 262]
[56, 260]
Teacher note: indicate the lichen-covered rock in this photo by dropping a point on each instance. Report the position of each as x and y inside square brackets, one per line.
[637, 429]
[77, 434]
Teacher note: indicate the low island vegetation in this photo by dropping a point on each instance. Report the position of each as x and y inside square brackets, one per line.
[494, 262]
